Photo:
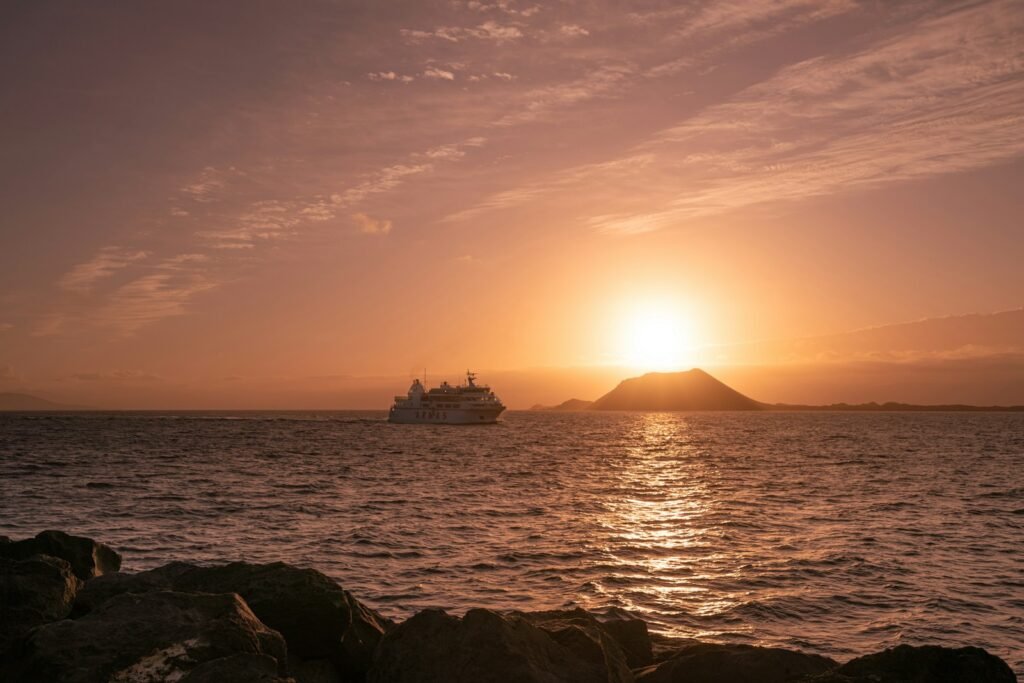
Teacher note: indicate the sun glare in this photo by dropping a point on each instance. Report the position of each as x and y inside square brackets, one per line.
[656, 337]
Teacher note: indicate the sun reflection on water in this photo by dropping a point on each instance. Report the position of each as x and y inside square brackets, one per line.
[664, 493]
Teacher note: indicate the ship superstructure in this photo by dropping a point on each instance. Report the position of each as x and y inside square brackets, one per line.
[468, 403]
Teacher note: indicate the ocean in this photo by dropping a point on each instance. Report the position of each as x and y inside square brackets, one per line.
[834, 533]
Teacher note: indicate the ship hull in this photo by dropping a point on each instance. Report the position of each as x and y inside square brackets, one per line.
[451, 416]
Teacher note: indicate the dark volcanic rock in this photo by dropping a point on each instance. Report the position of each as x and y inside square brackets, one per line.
[33, 591]
[629, 636]
[710, 663]
[486, 647]
[317, 618]
[88, 558]
[250, 668]
[97, 591]
[928, 664]
[149, 637]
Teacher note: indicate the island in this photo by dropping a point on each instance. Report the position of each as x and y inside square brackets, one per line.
[696, 390]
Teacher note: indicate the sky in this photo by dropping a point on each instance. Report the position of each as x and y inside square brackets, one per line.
[207, 203]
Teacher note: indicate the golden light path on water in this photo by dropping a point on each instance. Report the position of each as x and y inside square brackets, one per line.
[665, 496]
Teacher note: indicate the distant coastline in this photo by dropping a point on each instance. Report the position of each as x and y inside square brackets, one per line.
[696, 390]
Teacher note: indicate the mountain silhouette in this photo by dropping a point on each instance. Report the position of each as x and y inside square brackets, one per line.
[690, 390]
[571, 406]
[11, 401]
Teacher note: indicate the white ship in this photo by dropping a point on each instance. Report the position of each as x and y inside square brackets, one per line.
[465, 404]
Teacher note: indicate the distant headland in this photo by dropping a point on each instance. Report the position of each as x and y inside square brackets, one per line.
[696, 390]
[27, 402]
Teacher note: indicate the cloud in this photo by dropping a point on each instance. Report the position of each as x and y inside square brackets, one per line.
[383, 180]
[207, 186]
[540, 102]
[434, 72]
[945, 97]
[502, 6]
[573, 31]
[488, 30]
[389, 76]
[4, 327]
[116, 376]
[163, 293]
[109, 260]
[368, 225]
[945, 94]
[7, 374]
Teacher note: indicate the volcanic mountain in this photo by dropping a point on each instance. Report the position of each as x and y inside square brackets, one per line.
[691, 390]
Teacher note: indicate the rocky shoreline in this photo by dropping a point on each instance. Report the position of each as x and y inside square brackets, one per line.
[69, 614]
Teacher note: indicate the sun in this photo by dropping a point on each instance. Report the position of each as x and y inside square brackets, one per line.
[655, 337]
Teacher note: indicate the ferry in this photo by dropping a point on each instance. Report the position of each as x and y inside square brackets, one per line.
[468, 403]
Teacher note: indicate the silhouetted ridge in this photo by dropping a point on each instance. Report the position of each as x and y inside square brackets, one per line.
[692, 390]
[570, 406]
[10, 401]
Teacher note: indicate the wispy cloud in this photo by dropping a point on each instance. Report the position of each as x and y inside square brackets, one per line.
[390, 76]
[206, 186]
[540, 102]
[84, 276]
[942, 95]
[368, 225]
[267, 220]
[116, 376]
[165, 292]
[503, 6]
[573, 30]
[945, 97]
[488, 30]
[434, 72]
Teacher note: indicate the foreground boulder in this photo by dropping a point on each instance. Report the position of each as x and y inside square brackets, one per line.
[927, 664]
[317, 618]
[629, 635]
[88, 558]
[486, 647]
[712, 663]
[147, 638]
[94, 593]
[33, 591]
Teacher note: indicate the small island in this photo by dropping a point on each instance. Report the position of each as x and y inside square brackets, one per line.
[696, 390]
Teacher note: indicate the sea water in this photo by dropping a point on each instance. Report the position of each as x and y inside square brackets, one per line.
[835, 533]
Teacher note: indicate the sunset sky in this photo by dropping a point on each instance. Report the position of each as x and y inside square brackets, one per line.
[203, 202]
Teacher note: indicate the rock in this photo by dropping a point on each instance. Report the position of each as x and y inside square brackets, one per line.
[247, 668]
[712, 663]
[145, 638]
[318, 619]
[97, 591]
[314, 671]
[486, 647]
[88, 558]
[634, 639]
[927, 664]
[33, 591]
[665, 647]
[629, 635]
